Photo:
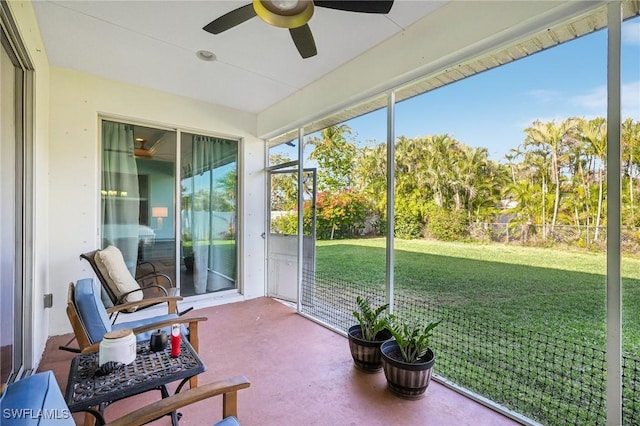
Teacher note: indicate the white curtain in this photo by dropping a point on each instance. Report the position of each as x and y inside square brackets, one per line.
[206, 225]
[120, 192]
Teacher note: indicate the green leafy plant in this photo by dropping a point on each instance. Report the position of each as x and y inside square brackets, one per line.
[413, 337]
[372, 320]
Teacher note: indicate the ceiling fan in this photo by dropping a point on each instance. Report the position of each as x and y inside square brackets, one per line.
[142, 150]
[294, 15]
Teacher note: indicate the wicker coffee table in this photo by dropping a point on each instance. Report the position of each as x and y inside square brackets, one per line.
[149, 371]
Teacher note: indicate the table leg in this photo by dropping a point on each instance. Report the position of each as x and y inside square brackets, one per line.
[174, 414]
[182, 383]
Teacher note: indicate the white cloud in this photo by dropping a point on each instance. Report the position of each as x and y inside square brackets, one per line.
[545, 95]
[595, 100]
[631, 32]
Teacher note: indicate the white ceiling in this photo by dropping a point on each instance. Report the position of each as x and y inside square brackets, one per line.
[153, 44]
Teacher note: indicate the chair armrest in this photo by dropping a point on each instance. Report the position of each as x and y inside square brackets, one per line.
[167, 323]
[144, 302]
[89, 349]
[146, 262]
[168, 292]
[161, 289]
[153, 277]
[228, 388]
[193, 330]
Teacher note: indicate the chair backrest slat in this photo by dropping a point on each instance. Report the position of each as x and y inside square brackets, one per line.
[74, 318]
[91, 310]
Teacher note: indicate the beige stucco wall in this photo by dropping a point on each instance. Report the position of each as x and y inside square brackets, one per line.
[77, 102]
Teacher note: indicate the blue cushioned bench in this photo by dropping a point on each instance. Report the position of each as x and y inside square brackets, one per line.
[35, 400]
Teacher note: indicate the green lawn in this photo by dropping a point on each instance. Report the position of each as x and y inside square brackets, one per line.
[556, 292]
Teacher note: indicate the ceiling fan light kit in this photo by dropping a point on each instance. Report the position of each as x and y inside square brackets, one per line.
[284, 14]
[294, 15]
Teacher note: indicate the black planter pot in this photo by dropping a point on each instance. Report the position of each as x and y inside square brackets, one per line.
[406, 380]
[366, 353]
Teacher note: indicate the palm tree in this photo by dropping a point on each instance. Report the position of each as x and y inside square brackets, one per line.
[580, 180]
[439, 171]
[538, 161]
[335, 156]
[511, 156]
[594, 134]
[553, 138]
[526, 194]
[370, 175]
[630, 148]
[471, 168]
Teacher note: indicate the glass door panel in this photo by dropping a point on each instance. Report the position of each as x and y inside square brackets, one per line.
[138, 196]
[209, 186]
[283, 235]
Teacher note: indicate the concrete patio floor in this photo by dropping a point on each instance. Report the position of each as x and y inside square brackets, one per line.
[301, 374]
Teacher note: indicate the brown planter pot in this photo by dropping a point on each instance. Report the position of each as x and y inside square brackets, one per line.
[366, 353]
[406, 380]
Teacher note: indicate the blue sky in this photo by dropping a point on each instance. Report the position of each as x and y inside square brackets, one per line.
[493, 108]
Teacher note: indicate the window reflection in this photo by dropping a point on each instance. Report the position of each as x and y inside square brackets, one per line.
[208, 214]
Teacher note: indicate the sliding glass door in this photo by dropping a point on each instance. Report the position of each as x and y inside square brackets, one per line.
[10, 284]
[16, 203]
[139, 204]
[208, 215]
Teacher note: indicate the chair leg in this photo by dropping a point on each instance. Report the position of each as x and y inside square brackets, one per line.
[194, 339]
[68, 348]
[185, 311]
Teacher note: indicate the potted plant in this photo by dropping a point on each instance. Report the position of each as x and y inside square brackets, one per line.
[407, 359]
[366, 337]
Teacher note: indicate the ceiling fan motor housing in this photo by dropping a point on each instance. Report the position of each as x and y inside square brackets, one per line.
[284, 13]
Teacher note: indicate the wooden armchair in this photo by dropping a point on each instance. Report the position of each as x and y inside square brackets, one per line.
[227, 388]
[90, 319]
[119, 287]
[41, 393]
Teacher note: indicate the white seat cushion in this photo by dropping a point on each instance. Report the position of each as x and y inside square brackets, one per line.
[114, 269]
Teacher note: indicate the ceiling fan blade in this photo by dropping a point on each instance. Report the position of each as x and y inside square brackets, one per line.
[364, 6]
[231, 19]
[303, 40]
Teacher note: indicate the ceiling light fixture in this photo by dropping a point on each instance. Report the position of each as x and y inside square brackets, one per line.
[284, 13]
[205, 55]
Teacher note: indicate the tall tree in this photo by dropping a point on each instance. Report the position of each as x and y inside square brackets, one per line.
[335, 156]
[370, 175]
[284, 186]
[594, 134]
[440, 175]
[630, 157]
[554, 139]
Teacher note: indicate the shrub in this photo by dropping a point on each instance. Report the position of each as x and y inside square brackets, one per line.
[409, 218]
[340, 215]
[448, 225]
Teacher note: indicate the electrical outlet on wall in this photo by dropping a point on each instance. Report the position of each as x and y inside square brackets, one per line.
[48, 300]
